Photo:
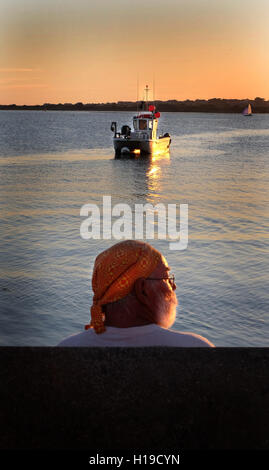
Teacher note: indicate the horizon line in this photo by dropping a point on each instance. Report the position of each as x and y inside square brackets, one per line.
[257, 98]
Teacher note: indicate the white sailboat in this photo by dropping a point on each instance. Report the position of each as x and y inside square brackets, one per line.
[247, 111]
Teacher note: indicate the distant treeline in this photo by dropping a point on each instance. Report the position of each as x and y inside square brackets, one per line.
[214, 105]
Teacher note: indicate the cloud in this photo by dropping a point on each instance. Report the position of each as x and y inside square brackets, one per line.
[3, 69]
[26, 85]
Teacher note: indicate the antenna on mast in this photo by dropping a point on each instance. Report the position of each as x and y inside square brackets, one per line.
[137, 91]
[146, 96]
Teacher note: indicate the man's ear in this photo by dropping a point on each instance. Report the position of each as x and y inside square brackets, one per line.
[141, 291]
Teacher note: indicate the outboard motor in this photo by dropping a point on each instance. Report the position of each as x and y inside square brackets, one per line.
[126, 131]
[114, 127]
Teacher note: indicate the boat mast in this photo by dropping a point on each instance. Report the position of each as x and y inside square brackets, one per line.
[137, 92]
[146, 96]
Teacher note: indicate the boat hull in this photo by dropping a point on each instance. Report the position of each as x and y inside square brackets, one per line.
[144, 146]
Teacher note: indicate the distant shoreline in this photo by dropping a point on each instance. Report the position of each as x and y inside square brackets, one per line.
[215, 105]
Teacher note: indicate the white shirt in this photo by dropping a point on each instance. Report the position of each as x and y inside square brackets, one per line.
[139, 336]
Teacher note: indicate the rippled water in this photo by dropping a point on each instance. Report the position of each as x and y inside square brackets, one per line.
[52, 163]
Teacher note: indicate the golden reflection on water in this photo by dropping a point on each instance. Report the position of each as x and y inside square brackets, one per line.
[36, 159]
[154, 172]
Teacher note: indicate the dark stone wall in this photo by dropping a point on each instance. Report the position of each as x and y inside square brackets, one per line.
[144, 398]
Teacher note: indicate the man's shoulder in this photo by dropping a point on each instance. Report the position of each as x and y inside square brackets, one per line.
[78, 339]
[184, 339]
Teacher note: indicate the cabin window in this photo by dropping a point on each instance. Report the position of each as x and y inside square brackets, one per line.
[142, 124]
[150, 124]
[135, 125]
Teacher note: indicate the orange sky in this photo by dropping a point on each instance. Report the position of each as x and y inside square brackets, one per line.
[65, 51]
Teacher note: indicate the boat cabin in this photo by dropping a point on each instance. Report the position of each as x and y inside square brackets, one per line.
[145, 124]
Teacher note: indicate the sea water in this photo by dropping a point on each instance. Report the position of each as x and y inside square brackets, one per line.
[52, 163]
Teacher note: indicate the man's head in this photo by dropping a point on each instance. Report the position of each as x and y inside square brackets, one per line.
[132, 287]
[156, 294]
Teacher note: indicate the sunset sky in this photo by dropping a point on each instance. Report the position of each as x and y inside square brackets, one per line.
[65, 51]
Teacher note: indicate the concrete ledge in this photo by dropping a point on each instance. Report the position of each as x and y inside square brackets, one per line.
[137, 398]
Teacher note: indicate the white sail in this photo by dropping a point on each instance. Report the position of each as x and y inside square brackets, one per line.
[247, 111]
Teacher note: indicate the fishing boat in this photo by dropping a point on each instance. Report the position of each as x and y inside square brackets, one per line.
[247, 111]
[143, 137]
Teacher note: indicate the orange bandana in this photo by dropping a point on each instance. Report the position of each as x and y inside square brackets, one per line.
[114, 274]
